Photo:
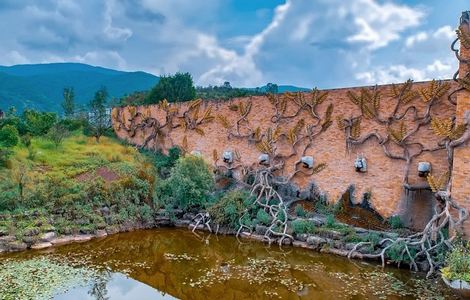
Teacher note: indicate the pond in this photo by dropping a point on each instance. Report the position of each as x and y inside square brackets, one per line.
[175, 263]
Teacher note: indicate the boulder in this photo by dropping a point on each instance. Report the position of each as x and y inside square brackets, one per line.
[17, 246]
[261, 229]
[31, 232]
[47, 237]
[101, 233]
[38, 246]
[316, 241]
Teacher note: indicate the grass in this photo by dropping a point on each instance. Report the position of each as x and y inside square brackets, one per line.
[76, 155]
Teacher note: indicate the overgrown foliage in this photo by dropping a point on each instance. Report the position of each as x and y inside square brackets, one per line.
[189, 184]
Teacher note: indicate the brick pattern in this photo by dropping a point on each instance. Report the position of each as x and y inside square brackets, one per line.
[384, 176]
[461, 166]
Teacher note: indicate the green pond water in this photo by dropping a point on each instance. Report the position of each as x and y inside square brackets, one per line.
[175, 263]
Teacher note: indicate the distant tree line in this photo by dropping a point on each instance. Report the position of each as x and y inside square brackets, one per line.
[180, 87]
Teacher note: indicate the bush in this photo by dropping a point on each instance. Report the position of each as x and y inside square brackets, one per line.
[263, 217]
[300, 211]
[458, 263]
[303, 226]
[228, 210]
[395, 222]
[189, 184]
[330, 221]
[39, 123]
[9, 136]
[164, 163]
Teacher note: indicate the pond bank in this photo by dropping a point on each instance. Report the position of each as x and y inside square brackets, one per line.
[338, 241]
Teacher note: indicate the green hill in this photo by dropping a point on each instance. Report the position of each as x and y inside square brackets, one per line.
[40, 86]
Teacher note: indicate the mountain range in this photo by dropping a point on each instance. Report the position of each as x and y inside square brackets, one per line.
[40, 86]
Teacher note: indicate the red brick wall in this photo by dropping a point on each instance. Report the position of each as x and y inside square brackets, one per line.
[461, 167]
[384, 176]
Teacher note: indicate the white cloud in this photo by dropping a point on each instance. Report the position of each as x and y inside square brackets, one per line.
[232, 66]
[416, 38]
[107, 58]
[400, 73]
[430, 38]
[381, 24]
[14, 58]
[113, 32]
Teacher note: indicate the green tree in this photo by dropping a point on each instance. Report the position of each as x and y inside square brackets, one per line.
[99, 120]
[39, 123]
[188, 185]
[176, 88]
[272, 88]
[9, 138]
[69, 102]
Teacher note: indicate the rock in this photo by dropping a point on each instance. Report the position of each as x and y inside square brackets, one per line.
[163, 220]
[316, 241]
[47, 237]
[317, 221]
[287, 241]
[332, 234]
[82, 238]
[112, 230]
[6, 239]
[182, 223]
[62, 240]
[28, 240]
[261, 229]
[87, 230]
[349, 246]
[101, 233]
[17, 246]
[188, 216]
[104, 211]
[302, 237]
[31, 232]
[41, 245]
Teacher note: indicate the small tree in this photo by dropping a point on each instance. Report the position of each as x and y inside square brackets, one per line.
[189, 184]
[57, 134]
[69, 102]
[9, 138]
[99, 121]
[272, 88]
[176, 88]
[39, 123]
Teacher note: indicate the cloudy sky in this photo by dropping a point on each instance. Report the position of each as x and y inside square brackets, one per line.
[324, 43]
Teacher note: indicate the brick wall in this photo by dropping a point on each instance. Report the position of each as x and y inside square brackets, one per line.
[461, 165]
[384, 178]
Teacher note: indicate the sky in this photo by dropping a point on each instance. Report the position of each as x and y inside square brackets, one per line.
[307, 43]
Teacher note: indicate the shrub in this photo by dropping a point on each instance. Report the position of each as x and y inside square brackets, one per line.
[9, 136]
[395, 222]
[300, 211]
[189, 184]
[57, 134]
[458, 263]
[303, 226]
[330, 221]
[228, 210]
[164, 163]
[263, 217]
[39, 123]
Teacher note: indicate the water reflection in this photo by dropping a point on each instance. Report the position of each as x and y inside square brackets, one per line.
[167, 263]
